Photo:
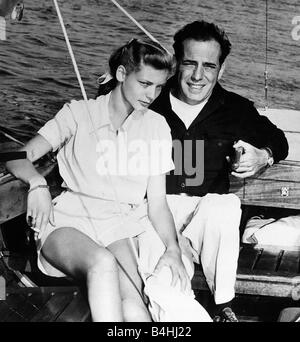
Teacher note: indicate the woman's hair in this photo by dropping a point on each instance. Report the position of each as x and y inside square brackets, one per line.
[132, 56]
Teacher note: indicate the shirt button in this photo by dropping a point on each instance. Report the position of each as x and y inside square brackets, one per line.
[182, 185]
[187, 134]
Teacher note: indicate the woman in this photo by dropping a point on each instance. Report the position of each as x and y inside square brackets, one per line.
[103, 147]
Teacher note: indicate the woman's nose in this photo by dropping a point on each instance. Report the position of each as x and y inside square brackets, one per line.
[150, 93]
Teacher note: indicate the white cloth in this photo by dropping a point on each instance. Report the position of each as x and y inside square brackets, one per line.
[211, 225]
[281, 232]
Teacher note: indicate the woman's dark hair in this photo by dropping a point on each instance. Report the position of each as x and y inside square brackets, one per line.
[201, 31]
[132, 56]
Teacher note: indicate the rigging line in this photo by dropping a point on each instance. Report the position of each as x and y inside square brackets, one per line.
[11, 138]
[137, 23]
[117, 201]
[70, 50]
[266, 57]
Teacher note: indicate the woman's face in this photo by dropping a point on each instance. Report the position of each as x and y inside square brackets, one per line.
[141, 88]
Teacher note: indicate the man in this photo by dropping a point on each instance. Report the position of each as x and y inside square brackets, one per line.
[198, 109]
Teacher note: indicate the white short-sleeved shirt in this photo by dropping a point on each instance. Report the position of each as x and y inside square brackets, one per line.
[142, 147]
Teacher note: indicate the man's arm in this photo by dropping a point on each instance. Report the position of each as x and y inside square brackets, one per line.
[260, 132]
[262, 142]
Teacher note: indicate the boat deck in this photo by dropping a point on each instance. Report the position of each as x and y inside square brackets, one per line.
[268, 280]
[44, 304]
[63, 302]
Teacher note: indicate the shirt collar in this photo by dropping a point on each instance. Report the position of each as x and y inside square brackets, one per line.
[103, 119]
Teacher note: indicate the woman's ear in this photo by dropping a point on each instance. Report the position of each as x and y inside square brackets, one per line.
[121, 73]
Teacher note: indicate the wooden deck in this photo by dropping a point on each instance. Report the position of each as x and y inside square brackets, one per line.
[44, 304]
[18, 303]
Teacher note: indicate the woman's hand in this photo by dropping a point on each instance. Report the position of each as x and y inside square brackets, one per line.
[39, 209]
[172, 259]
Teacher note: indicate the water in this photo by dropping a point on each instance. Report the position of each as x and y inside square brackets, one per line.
[37, 77]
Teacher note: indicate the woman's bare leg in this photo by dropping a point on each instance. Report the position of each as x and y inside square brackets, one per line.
[134, 308]
[77, 255]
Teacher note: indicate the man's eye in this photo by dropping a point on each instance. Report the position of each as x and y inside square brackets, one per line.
[144, 84]
[187, 63]
[210, 66]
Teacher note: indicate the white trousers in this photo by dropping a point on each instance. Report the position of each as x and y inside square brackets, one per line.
[211, 225]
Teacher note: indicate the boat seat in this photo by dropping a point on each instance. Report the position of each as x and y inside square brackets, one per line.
[264, 271]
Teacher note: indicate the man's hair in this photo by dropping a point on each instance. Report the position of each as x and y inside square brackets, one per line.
[201, 30]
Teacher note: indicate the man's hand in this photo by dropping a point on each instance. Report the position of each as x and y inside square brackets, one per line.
[252, 160]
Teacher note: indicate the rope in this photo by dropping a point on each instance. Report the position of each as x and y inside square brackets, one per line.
[266, 58]
[11, 138]
[137, 23]
[70, 50]
[117, 201]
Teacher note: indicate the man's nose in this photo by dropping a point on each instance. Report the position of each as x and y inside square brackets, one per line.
[198, 73]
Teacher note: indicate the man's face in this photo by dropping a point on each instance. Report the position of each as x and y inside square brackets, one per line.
[198, 70]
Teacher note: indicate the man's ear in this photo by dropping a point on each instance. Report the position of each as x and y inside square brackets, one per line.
[121, 73]
[222, 69]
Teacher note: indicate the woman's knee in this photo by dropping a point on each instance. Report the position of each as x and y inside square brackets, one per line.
[135, 311]
[102, 261]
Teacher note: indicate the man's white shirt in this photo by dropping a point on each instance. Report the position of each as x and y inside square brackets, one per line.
[186, 112]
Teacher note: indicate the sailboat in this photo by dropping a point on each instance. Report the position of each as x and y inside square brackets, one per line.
[271, 271]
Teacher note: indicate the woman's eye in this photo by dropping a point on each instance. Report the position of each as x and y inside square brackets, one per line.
[144, 84]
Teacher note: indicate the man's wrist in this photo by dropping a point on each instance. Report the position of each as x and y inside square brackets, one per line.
[270, 159]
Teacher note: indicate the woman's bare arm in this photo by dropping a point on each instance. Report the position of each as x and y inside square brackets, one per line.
[163, 222]
[23, 168]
